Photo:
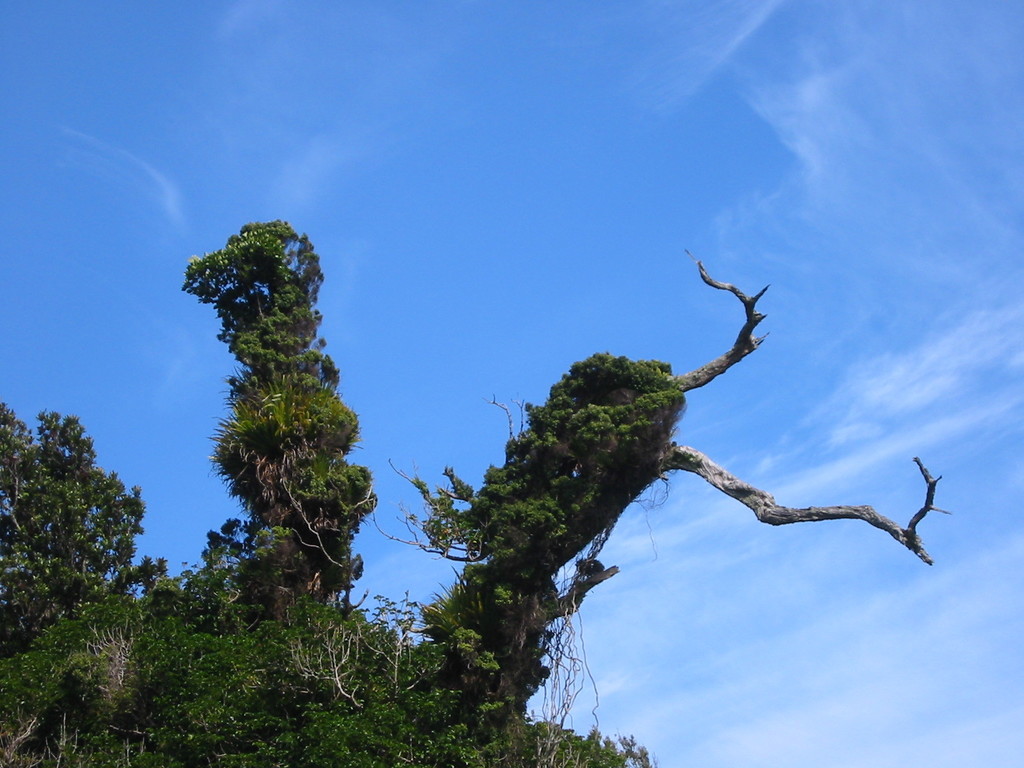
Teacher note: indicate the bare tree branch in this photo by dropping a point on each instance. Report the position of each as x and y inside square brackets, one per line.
[508, 413]
[414, 527]
[570, 601]
[768, 511]
[746, 342]
[453, 547]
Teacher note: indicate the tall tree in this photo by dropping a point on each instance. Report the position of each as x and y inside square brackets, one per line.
[67, 528]
[532, 534]
[282, 450]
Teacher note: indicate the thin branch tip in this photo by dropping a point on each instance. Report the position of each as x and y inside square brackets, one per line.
[745, 343]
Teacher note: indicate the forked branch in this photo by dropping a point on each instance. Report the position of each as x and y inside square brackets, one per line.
[746, 342]
[768, 511]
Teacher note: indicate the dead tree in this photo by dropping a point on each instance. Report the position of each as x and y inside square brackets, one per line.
[531, 535]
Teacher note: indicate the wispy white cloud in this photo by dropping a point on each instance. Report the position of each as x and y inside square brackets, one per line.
[878, 681]
[697, 40]
[903, 210]
[127, 170]
[757, 652]
[887, 447]
[315, 165]
[950, 386]
[902, 123]
[782, 662]
[244, 15]
[979, 353]
[814, 120]
[334, 97]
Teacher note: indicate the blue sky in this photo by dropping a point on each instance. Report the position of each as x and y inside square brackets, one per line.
[498, 189]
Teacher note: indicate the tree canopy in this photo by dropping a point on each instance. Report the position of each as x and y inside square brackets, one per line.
[67, 528]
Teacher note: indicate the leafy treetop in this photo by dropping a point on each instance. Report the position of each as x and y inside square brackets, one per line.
[67, 528]
[264, 285]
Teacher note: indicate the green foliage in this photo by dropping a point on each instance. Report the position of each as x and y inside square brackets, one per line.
[126, 684]
[288, 442]
[282, 450]
[67, 528]
[264, 285]
[587, 454]
[320, 690]
[531, 745]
